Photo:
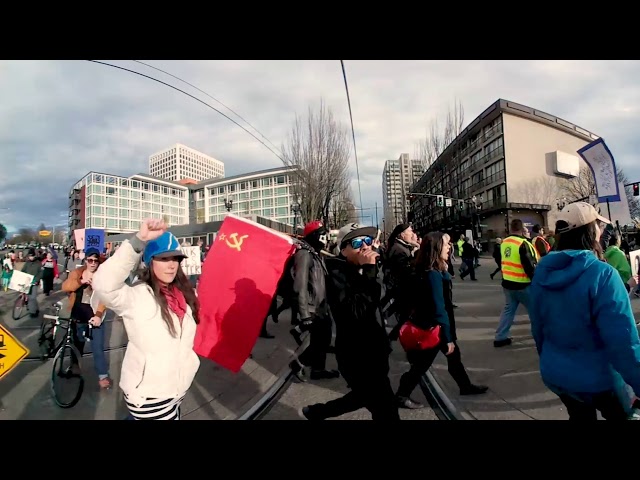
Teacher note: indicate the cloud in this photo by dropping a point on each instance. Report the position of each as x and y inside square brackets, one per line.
[62, 119]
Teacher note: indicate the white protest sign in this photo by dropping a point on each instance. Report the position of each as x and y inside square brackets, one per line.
[603, 166]
[19, 279]
[634, 259]
[192, 264]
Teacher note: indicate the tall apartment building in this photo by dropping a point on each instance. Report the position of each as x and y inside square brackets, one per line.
[508, 160]
[179, 162]
[398, 177]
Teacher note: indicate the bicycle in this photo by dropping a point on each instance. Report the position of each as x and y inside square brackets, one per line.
[74, 370]
[48, 342]
[22, 301]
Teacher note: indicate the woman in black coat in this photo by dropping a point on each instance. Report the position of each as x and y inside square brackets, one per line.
[433, 305]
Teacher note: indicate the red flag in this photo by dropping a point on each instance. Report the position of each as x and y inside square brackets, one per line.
[239, 278]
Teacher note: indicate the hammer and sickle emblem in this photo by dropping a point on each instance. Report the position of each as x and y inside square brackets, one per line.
[237, 242]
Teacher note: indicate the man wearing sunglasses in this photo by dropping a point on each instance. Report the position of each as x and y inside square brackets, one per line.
[78, 285]
[362, 345]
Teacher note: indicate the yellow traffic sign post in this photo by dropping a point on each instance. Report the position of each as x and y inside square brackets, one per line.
[11, 351]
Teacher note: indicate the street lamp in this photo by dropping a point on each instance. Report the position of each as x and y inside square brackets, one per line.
[295, 208]
[477, 206]
[228, 204]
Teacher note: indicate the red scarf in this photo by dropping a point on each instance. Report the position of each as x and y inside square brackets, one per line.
[175, 300]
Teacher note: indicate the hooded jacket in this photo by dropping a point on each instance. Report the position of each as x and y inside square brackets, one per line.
[582, 324]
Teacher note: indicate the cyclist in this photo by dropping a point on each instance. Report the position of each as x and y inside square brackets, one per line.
[33, 266]
[78, 285]
[160, 313]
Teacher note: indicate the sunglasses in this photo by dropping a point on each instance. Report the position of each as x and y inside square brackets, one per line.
[92, 260]
[357, 243]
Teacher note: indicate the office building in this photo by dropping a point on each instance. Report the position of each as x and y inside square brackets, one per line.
[504, 165]
[267, 193]
[397, 178]
[179, 162]
[117, 204]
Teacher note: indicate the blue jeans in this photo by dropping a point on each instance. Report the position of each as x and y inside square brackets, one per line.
[513, 298]
[97, 346]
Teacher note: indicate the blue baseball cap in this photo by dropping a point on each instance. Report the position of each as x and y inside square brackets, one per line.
[166, 245]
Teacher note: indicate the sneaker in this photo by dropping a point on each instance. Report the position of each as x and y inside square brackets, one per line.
[105, 383]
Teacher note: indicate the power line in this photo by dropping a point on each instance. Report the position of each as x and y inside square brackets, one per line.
[210, 96]
[353, 132]
[195, 98]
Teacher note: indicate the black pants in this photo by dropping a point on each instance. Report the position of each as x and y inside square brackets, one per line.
[47, 280]
[499, 269]
[469, 262]
[320, 335]
[607, 403]
[370, 389]
[421, 361]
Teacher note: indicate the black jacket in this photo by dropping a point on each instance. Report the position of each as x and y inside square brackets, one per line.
[309, 289]
[354, 298]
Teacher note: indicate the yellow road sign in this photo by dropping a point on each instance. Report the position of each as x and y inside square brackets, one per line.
[11, 351]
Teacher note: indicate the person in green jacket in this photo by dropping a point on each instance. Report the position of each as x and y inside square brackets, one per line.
[618, 260]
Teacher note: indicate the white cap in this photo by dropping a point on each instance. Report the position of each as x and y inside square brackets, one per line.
[578, 214]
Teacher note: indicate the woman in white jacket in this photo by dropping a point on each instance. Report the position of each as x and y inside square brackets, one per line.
[160, 313]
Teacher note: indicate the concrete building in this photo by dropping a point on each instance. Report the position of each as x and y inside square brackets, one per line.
[179, 161]
[509, 159]
[117, 204]
[397, 178]
[267, 193]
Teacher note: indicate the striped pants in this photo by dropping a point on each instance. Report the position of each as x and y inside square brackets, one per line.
[156, 409]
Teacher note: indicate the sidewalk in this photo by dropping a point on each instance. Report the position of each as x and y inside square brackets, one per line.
[516, 390]
[215, 394]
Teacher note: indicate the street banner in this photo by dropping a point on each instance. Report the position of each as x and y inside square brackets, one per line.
[239, 278]
[603, 167]
[78, 235]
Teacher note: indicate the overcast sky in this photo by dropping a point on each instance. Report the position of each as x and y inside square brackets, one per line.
[62, 119]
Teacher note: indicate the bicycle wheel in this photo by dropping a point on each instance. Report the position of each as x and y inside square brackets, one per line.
[18, 306]
[67, 382]
[51, 338]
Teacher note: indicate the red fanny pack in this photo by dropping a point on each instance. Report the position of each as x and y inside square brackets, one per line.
[414, 338]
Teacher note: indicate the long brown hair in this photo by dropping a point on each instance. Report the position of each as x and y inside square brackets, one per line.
[581, 238]
[181, 282]
[429, 256]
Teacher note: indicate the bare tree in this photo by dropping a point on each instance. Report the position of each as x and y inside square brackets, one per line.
[343, 209]
[583, 185]
[318, 148]
[437, 139]
[543, 190]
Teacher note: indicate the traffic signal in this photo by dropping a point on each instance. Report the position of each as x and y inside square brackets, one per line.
[461, 204]
[636, 189]
[440, 200]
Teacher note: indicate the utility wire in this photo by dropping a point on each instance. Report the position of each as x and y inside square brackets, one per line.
[210, 96]
[195, 98]
[353, 132]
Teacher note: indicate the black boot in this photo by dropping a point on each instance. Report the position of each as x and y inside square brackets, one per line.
[406, 402]
[324, 374]
[473, 389]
